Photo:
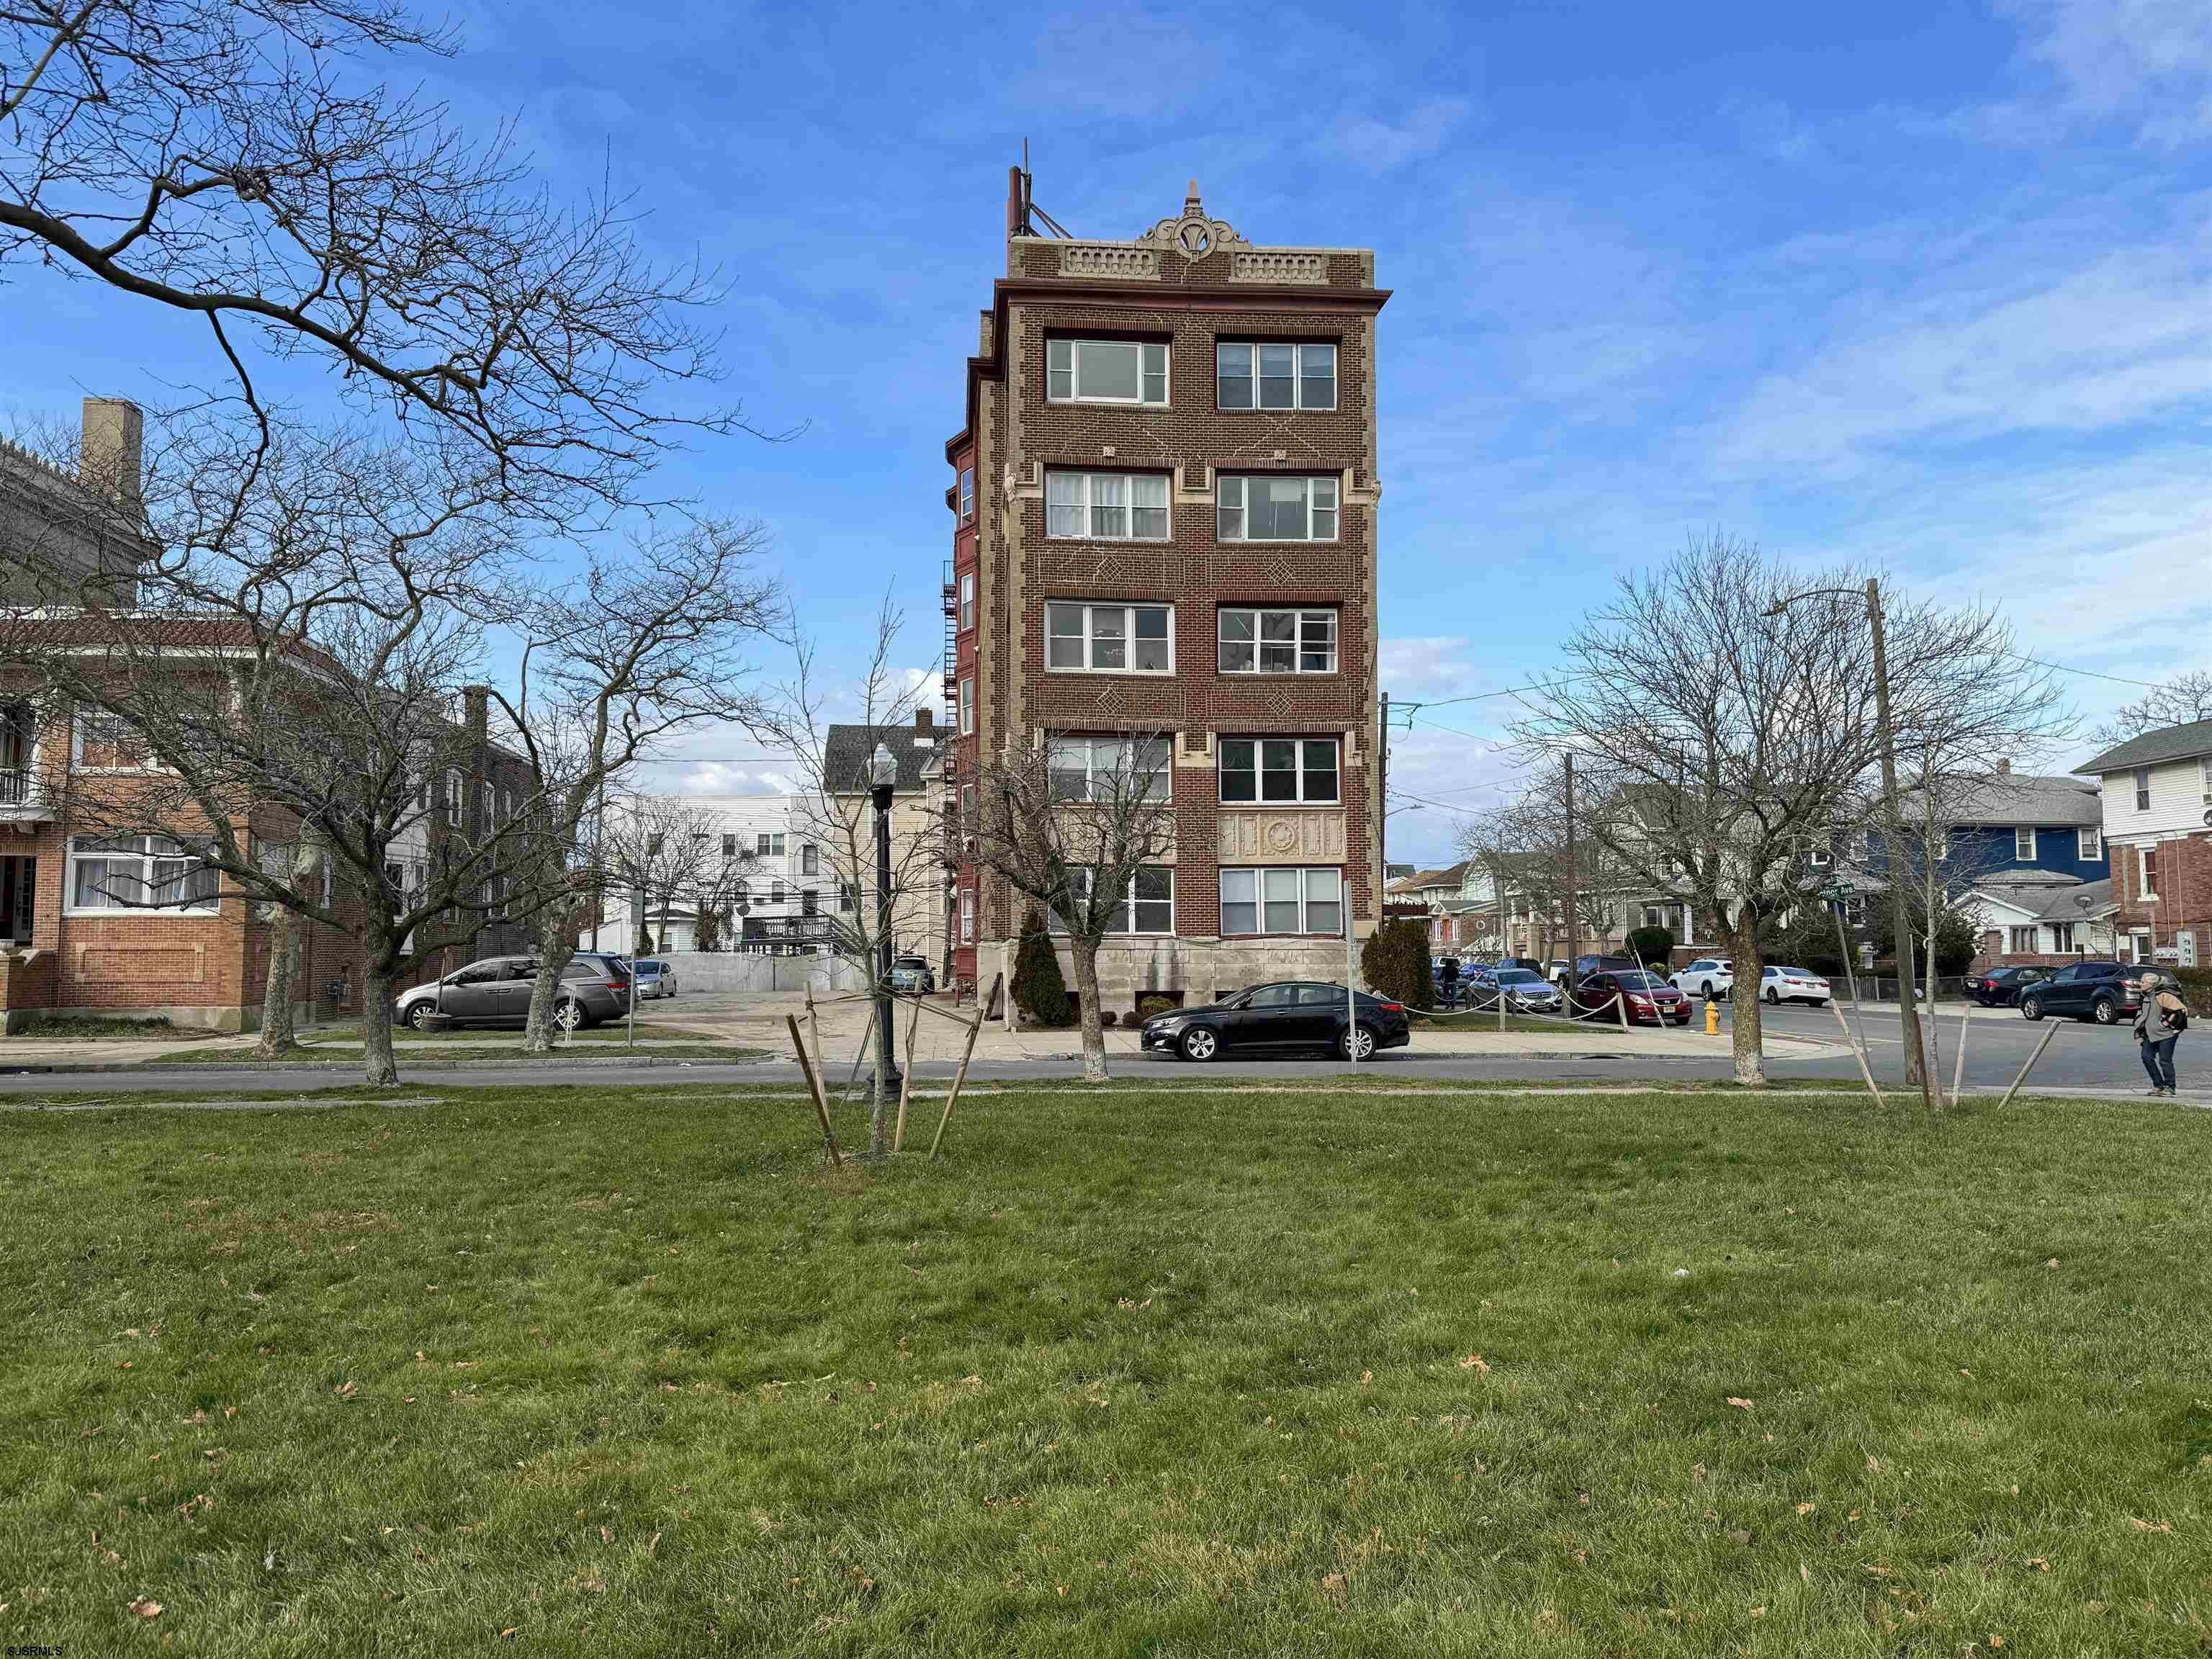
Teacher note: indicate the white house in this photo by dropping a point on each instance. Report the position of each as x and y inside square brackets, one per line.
[2158, 824]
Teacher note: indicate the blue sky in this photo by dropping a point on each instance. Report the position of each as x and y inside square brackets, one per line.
[1922, 284]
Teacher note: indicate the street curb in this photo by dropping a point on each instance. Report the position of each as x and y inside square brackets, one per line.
[289, 1067]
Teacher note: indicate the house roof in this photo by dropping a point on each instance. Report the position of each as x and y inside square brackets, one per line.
[2170, 743]
[846, 749]
[2022, 800]
[2047, 895]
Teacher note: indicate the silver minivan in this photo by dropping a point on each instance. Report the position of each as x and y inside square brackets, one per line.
[496, 991]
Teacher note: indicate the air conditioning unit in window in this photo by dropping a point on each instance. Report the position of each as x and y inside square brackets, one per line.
[2207, 816]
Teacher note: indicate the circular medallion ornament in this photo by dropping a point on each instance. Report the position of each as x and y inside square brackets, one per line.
[1194, 237]
[1280, 835]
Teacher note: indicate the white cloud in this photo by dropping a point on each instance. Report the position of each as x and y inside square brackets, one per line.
[2145, 61]
[1379, 146]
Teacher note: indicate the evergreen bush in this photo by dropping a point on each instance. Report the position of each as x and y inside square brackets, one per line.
[1395, 964]
[1039, 990]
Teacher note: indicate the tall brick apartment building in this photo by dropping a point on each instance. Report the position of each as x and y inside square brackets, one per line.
[1165, 523]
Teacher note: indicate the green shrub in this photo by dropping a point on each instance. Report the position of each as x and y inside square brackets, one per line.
[1039, 991]
[1149, 1005]
[1653, 944]
[1394, 962]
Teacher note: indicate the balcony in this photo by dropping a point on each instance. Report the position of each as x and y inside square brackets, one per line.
[22, 796]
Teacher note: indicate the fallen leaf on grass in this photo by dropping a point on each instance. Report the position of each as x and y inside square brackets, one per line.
[1807, 1509]
[1475, 1362]
[1804, 1573]
[1366, 1377]
[145, 1607]
[1758, 1612]
[606, 1535]
[2038, 1563]
[1740, 1401]
[1996, 1640]
[1333, 1585]
[1739, 1535]
[344, 1390]
[510, 1630]
[2152, 1526]
[2052, 1262]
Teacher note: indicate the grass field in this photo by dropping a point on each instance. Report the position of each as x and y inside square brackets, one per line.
[1173, 1371]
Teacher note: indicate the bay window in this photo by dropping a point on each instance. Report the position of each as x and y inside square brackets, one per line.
[1122, 639]
[1274, 507]
[1106, 506]
[133, 873]
[1285, 900]
[1268, 641]
[1147, 904]
[1107, 769]
[1256, 769]
[1300, 375]
[1106, 372]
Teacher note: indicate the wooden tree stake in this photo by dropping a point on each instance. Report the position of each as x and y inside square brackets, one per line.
[961, 1076]
[1959, 1064]
[906, 1077]
[814, 1088]
[1857, 1053]
[2030, 1066]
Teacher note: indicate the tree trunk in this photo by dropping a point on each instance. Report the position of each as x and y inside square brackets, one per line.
[557, 934]
[382, 1069]
[1085, 953]
[879, 1116]
[1748, 1034]
[278, 1037]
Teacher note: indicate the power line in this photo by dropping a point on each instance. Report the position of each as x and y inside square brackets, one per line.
[2088, 673]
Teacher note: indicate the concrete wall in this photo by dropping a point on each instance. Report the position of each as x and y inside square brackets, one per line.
[716, 971]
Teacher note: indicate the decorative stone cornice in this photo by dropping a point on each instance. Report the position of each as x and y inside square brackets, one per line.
[1191, 233]
[1273, 265]
[1116, 261]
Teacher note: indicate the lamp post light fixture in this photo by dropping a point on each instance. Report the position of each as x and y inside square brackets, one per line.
[882, 773]
[1916, 1051]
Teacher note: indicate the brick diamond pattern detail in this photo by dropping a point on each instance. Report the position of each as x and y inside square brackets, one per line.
[1108, 706]
[1279, 572]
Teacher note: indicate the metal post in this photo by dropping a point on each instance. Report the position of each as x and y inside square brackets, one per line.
[1574, 923]
[882, 795]
[1351, 982]
[1916, 1055]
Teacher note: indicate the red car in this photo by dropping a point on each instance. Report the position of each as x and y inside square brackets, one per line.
[1650, 1000]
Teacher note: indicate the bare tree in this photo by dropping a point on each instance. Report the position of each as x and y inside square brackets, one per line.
[2181, 700]
[832, 809]
[1080, 824]
[636, 650]
[291, 673]
[656, 850]
[231, 161]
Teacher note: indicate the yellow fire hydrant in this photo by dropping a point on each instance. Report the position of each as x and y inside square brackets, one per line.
[1712, 1017]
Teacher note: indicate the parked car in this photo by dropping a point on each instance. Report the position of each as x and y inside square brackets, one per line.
[496, 991]
[1584, 966]
[1525, 991]
[2102, 991]
[1708, 976]
[1276, 1018]
[1778, 985]
[1649, 999]
[1529, 963]
[912, 974]
[2001, 986]
[654, 978]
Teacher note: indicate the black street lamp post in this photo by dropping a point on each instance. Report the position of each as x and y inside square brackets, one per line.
[883, 772]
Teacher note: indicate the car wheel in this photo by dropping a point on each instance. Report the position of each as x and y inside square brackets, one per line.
[1820, 1002]
[1200, 1042]
[2031, 1007]
[1365, 1038]
[569, 1014]
[419, 1016]
[2107, 1011]
[1773, 998]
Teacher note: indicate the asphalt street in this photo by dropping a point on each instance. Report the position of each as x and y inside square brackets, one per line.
[1999, 1041]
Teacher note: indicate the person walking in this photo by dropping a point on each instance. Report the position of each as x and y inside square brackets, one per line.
[1449, 973]
[2159, 1022]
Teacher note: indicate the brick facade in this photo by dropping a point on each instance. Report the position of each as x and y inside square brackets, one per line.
[1015, 435]
[2180, 900]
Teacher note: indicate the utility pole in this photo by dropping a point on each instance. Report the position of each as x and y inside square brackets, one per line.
[1916, 1057]
[599, 861]
[1574, 927]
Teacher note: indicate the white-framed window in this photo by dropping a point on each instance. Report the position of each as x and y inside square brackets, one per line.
[2205, 772]
[1820, 853]
[1109, 639]
[1106, 506]
[1274, 507]
[967, 915]
[1147, 903]
[1279, 770]
[2143, 789]
[131, 872]
[729, 849]
[848, 895]
[967, 600]
[2023, 845]
[2022, 942]
[1943, 846]
[775, 892]
[1282, 901]
[967, 815]
[1096, 769]
[768, 846]
[2089, 844]
[1249, 375]
[810, 902]
[967, 494]
[810, 859]
[101, 742]
[454, 799]
[2062, 940]
[965, 696]
[1106, 372]
[1865, 845]
[2147, 872]
[1291, 641]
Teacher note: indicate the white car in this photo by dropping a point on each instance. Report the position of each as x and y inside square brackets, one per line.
[1708, 976]
[1780, 984]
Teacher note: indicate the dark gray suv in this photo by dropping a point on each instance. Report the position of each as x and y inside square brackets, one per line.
[496, 991]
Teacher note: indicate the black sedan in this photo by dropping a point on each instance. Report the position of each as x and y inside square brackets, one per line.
[1278, 1019]
[2001, 986]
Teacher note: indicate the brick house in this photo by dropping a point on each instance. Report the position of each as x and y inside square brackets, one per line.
[2158, 824]
[1164, 506]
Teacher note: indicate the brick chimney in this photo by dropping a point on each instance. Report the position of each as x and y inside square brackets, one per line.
[924, 722]
[111, 456]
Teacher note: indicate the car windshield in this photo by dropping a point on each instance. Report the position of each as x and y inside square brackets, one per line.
[1518, 976]
[1636, 981]
[1791, 973]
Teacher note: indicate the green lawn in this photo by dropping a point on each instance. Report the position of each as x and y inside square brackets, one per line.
[1166, 1372]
